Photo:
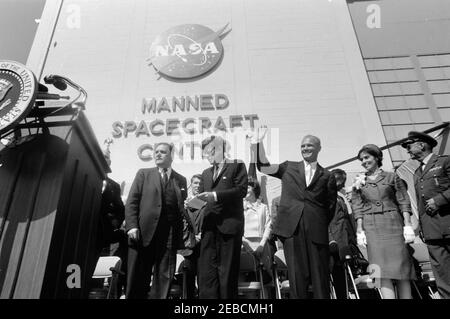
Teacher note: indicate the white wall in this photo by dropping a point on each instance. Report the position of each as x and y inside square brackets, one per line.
[296, 63]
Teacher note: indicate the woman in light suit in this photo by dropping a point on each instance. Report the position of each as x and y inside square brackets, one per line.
[258, 224]
[382, 210]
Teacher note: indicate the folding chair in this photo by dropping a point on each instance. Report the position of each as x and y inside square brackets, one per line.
[177, 290]
[108, 269]
[279, 271]
[249, 266]
[279, 274]
[359, 278]
[422, 257]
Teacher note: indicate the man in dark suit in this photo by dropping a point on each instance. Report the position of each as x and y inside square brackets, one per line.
[342, 235]
[432, 184]
[112, 213]
[224, 187]
[110, 235]
[191, 255]
[154, 225]
[307, 205]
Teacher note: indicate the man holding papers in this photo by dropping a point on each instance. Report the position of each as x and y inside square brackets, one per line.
[223, 188]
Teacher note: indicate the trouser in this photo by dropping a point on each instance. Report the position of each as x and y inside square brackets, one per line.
[338, 272]
[439, 251]
[308, 263]
[120, 249]
[159, 256]
[219, 265]
[191, 264]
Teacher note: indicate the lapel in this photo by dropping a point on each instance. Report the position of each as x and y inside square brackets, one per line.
[174, 179]
[224, 168]
[317, 174]
[208, 179]
[380, 176]
[301, 171]
[430, 164]
[156, 178]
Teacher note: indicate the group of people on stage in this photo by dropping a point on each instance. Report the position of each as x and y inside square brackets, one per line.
[316, 221]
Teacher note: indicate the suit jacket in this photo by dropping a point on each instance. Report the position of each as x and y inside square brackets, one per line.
[196, 217]
[274, 208]
[341, 228]
[315, 203]
[112, 213]
[386, 192]
[434, 182]
[144, 203]
[227, 214]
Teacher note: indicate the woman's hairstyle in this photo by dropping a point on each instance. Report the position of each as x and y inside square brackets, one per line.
[255, 185]
[373, 150]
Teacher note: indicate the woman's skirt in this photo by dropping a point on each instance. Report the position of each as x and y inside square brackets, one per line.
[386, 249]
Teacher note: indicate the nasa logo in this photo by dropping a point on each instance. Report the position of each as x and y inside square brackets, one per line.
[186, 51]
[17, 93]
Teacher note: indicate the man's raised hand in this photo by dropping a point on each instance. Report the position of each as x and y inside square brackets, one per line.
[257, 135]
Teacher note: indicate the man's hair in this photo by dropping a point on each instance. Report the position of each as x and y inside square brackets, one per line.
[169, 145]
[198, 176]
[215, 140]
[255, 185]
[317, 140]
[340, 176]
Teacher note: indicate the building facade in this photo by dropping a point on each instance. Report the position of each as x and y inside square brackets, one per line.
[350, 72]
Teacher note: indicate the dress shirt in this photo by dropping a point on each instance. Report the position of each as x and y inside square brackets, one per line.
[216, 171]
[426, 160]
[310, 170]
[161, 172]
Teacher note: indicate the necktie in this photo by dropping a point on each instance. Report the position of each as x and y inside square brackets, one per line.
[165, 176]
[421, 166]
[308, 174]
[216, 171]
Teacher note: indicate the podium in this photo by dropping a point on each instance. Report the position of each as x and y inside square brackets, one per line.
[50, 194]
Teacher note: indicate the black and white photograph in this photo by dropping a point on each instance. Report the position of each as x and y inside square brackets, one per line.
[225, 155]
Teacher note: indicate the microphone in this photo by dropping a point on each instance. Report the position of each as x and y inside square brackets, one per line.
[61, 83]
[58, 82]
[50, 96]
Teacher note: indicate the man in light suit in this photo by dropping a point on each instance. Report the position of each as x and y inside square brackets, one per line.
[154, 224]
[432, 184]
[224, 185]
[307, 205]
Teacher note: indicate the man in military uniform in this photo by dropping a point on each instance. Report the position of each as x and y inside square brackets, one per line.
[432, 183]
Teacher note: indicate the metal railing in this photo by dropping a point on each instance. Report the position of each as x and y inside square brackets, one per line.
[445, 127]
